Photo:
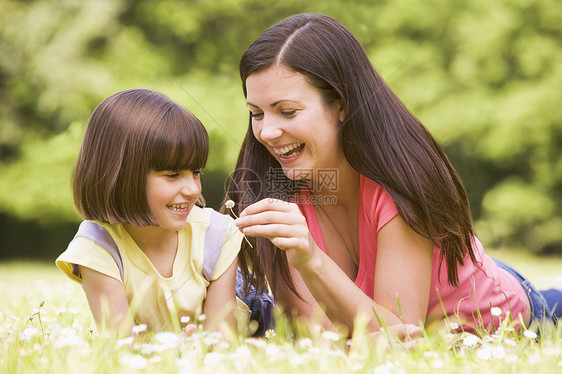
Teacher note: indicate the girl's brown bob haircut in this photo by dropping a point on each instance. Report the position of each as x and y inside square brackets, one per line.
[130, 134]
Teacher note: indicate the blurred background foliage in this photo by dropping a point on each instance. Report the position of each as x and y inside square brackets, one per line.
[485, 77]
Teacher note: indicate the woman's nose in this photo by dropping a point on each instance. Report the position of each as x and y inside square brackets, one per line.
[268, 130]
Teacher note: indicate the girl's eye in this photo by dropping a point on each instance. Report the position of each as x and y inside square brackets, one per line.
[257, 116]
[174, 175]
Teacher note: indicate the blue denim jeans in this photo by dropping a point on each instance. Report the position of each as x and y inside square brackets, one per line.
[261, 306]
[541, 308]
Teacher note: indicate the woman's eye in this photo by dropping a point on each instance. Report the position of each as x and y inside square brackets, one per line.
[288, 113]
[256, 115]
[172, 175]
[197, 173]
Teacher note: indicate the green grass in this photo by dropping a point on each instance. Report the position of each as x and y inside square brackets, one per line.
[542, 271]
[45, 326]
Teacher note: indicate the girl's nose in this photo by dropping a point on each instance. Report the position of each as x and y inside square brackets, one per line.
[191, 185]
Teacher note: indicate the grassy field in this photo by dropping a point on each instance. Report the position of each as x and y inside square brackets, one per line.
[45, 326]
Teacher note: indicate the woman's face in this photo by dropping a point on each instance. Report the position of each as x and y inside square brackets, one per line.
[290, 118]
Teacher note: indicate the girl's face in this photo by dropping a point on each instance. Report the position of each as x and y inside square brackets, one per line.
[171, 196]
[290, 118]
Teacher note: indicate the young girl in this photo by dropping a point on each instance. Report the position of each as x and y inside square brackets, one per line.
[149, 252]
[381, 221]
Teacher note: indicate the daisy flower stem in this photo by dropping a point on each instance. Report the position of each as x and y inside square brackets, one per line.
[230, 204]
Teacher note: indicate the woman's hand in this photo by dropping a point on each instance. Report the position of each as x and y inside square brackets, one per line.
[401, 335]
[284, 225]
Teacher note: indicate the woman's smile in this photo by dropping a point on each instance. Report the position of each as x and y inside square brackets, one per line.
[293, 121]
[288, 153]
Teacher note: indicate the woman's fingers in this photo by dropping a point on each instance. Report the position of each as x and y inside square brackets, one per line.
[289, 243]
[405, 331]
[272, 218]
[266, 218]
[277, 220]
[283, 224]
[268, 204]
[273, 230]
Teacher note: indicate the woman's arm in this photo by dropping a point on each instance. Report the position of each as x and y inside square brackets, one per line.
[401, 249]
[303, 308]
[220, 303]
[108, 301]
[403, 271]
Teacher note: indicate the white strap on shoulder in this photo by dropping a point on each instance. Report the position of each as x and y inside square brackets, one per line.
[99, 235]
[214, 239]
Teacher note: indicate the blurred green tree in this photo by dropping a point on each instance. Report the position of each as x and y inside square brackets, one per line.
[484, 77]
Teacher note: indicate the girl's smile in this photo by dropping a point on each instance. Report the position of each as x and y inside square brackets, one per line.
[171, 195]
[180, 208]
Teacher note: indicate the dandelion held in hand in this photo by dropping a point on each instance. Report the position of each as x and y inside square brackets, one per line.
[229, 205]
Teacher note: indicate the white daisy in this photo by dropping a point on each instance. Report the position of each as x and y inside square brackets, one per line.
[139, 328]
[496, 311]
[330, 335]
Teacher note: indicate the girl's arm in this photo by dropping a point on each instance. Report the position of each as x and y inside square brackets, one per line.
[108, 301]
[406, 256]
[220, 303]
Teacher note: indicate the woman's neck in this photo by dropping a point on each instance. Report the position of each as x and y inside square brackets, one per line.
[341, 186]
[338, 218]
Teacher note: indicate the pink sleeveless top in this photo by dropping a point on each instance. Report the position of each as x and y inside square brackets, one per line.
[482, 284]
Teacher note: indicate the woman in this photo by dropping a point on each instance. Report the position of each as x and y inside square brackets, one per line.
[379, 219]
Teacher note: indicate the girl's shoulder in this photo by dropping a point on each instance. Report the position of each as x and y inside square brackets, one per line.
[103, 234]
[94, 247]
[217, 243]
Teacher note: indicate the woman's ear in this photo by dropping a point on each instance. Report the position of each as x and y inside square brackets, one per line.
[341, 111]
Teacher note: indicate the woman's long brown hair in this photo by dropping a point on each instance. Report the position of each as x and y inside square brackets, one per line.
[382, 140]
